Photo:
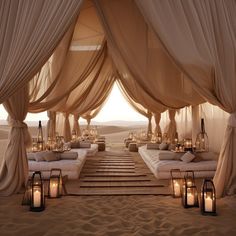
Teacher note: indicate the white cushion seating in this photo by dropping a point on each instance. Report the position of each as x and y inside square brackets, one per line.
[69, 167]
[90, 151]
[171, 160]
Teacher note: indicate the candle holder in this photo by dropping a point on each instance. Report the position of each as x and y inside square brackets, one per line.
[202, 142]
[34, 145]
[189, 191]
[176, 182]
[27, 194]
[188, 144]
[159, 137]
[55, 184]
[208, 198]
[50, 144]
[37, 193]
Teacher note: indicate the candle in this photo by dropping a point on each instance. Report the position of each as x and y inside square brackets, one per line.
[189, 183]
[53, 189]
[37, 198]
[208, 204]
[190, 199]
[176, 189]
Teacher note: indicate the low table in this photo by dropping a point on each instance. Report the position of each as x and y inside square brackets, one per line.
[101, 146]
[133, 147]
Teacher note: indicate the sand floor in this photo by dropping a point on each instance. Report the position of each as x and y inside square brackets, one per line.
[115, 215]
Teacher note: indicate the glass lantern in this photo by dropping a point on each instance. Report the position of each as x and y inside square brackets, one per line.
[37, 192]
[188, 144]
[189, 191]
[55, 184]
[208, 198]
[176, 182]
[34, 145]
[27, 195]
[202, 142]
[176, 139]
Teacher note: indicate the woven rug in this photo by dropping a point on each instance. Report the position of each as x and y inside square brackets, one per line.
[117, 173]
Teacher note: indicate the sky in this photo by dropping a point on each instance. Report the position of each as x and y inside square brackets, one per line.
[116, 108]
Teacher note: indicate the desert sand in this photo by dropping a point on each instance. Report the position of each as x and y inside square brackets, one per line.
[113, 215]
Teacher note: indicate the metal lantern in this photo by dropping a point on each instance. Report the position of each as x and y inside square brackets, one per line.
[73, 135]
[208, 198]
[176, 182]
[188, 144]
[40, 141]
[55, 184]
[34, 145]
[159, 137]
[176, 139]
[37, 192]
[189, 191]
[202, 142]
[27, 195]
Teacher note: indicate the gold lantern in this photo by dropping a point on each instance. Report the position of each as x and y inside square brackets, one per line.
[40, 141]
[176, 182]
[34, 145]
[208, 198]
[189, 191]
[188, 144]
[202, 142]
[37, 192]
[55, 183]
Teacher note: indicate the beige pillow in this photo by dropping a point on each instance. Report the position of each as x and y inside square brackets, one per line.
[51, 156]
[163, 146]
[31, 156]
[187, 157]
[39, 156]
[69, 155]
[85, 145]
[153, 146]
[75, 144]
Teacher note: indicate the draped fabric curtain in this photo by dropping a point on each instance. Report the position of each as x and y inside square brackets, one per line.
[140, 57]
[136, 105]
[66, 128]
[30, 30]
[171, 130]
[191, 37]
[14, 168]
[157, 118]
[76, 126]
[51, 124]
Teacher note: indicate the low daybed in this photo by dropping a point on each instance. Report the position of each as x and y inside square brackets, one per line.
[160, 162]
[70, 163]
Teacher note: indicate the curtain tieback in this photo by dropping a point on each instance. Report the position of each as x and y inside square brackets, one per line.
[17, 124]
[232, 120]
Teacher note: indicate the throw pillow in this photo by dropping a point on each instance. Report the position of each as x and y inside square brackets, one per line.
[51, 156]
[153, 146]
[75, 144]
[31, 156]
[69, 155]
[187, 157]
[39, 156]
[163, 146]
[85, 145]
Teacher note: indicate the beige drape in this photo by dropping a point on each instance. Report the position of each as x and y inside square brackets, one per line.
[136, 104]
[66, 128]
[30, 30]
[200, 37]
[76, 126]
[51, 124]
[157, 118]
[171, 130]
[14, 168]
[140, 57]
